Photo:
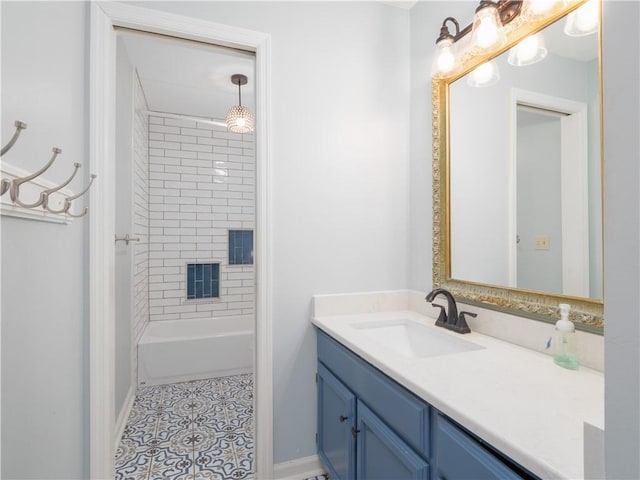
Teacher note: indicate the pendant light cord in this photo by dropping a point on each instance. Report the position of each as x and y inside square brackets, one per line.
[239, 94]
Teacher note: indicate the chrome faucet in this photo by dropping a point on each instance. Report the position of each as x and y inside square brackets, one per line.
[450, 319]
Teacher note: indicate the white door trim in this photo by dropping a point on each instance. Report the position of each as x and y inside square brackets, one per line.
[104, 16]
[575, 189]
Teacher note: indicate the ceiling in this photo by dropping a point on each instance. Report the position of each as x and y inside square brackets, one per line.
[189, 78]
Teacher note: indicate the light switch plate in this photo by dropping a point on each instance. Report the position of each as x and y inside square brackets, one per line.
[542, 242]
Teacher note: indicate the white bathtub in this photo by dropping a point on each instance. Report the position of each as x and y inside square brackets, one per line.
[181, 350]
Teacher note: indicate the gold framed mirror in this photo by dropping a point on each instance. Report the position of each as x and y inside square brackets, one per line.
[517, 173]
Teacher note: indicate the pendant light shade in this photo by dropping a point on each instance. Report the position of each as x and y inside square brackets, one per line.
[541, 8]
[239, 118]
[584, 20]
[484, 75]
[529, 51]
[487, 32]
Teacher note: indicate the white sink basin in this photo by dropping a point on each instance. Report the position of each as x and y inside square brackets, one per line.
[412, 339]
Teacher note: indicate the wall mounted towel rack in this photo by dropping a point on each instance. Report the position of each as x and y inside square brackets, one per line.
[46, 193]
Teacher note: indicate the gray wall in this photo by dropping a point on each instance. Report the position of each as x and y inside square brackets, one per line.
[44, 330]
[621, 48]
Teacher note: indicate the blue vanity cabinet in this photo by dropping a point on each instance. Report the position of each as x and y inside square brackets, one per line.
[336, 426]
[372, 428]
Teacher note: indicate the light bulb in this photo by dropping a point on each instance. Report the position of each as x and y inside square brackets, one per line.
[529, 51]
[487, 29]
[484, 75]
[444, 62]
[239, 119]
[584, 20]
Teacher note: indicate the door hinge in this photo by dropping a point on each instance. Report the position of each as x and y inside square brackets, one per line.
[316, 438]
[316, 377]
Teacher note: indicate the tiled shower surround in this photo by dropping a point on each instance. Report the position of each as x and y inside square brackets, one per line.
[202, 184]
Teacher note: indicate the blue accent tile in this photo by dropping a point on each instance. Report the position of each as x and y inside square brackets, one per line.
[240, 247]
[203, 280]
[191, 275]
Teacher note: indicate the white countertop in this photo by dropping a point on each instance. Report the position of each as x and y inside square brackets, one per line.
[516, 399]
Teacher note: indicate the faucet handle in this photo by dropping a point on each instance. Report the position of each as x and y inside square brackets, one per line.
[442, 318]
[461, 326]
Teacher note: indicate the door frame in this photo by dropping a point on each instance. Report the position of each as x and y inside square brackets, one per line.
[104, 17]
[575, 192]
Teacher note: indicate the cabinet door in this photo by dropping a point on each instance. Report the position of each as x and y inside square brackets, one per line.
[336, 419]
[460, 457]
[382, 455]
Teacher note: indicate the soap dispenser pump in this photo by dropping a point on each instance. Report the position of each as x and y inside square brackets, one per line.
[565, 343]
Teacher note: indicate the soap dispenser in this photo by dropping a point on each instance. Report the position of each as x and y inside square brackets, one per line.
[565, 343]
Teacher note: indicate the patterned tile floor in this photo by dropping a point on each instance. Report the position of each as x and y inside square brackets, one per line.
[190, 431]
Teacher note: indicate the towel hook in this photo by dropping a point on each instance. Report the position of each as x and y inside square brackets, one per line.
[44, 195]
[14, 190]
[19, 127]
[68, 200]
[5, 183]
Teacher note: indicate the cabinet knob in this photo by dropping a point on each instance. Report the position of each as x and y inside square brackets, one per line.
[354, 432]
[343, 418]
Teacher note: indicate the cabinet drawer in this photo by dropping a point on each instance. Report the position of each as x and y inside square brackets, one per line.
[405, 413]
[382, 455]
[459, 456]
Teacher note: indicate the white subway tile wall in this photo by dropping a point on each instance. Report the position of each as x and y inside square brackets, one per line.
[201, 184]
[140, 156]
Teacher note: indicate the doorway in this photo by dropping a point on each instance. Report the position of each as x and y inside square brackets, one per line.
[104, 17]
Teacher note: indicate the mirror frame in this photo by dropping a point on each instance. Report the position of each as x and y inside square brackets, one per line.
[587, 314]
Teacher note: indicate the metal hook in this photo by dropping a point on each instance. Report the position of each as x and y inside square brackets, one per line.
[19, 127]
[14, 190]
[44, 196]
[5, 183]
[68, 200]
[4, 186]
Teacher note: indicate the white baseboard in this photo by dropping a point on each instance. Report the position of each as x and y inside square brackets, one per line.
[124, 414]
[298, 469]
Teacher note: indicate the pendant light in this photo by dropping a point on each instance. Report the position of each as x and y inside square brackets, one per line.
[239, 118]
[487, 32]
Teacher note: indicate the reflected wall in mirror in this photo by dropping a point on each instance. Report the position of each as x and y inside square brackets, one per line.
[517, 176]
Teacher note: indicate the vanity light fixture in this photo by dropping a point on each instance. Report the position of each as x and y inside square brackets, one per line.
[528, 51]
[486, 33]
[583, 21]
[239, 118]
